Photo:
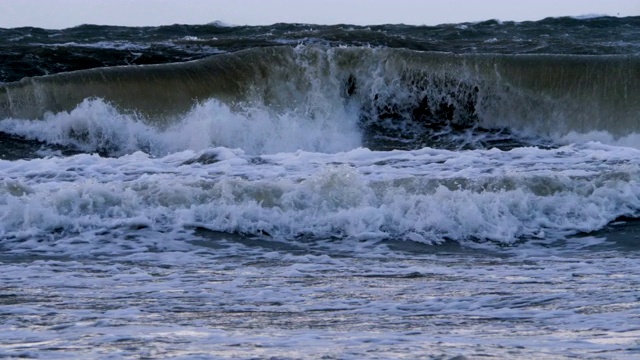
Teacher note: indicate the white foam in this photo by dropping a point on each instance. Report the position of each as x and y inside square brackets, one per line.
[95, 125]
[629, 140]
[423, 196]
[257, 129]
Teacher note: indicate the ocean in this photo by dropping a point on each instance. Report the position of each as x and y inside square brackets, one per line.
[300, 191]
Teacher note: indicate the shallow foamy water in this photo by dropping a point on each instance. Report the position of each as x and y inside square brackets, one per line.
[254, 298]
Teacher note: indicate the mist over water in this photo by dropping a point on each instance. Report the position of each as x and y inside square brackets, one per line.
[370, 192]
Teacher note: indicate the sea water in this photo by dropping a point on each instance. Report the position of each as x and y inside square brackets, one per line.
[298, 191]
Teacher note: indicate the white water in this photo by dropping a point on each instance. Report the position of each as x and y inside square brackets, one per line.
[97, 126]
[341, 251]
[425, 195]
[291, 176]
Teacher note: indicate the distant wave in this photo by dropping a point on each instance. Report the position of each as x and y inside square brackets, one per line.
[220, 23]
[94, 46]
[590, 16]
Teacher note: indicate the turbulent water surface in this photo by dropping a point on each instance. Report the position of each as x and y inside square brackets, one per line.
[302, 191]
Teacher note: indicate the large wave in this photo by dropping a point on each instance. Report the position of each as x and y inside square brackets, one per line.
[396, 97]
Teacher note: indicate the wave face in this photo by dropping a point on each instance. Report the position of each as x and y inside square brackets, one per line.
[397, 98]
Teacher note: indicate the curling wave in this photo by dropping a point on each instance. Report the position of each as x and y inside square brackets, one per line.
[397, 98]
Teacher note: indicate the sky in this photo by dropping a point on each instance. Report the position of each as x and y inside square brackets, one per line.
[56, 14]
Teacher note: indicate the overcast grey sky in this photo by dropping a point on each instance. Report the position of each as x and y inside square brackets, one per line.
[67, 13]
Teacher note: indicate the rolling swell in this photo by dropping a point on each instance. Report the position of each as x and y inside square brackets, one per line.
[396, 92]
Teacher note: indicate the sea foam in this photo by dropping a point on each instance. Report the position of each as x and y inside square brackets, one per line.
[424, 196]
[97, 126]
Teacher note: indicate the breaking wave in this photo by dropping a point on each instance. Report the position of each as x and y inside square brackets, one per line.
[330, 99]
